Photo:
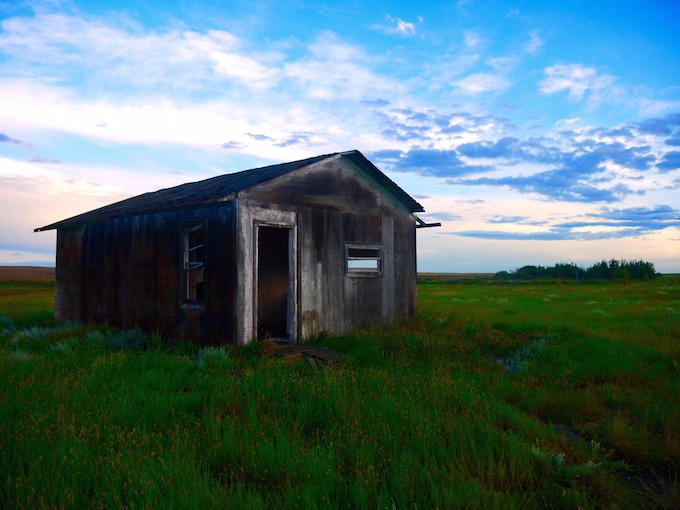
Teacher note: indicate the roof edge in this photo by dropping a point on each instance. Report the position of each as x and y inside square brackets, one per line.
[79, 218]
[354, 155]
[357, 157]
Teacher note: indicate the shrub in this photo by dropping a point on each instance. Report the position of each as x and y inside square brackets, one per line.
[32, 335]
[133, 338]
[518, 360]
[60, 347]
[18, 355]
[128, 339]
[210, 355]
[96, 336]
[6, 324]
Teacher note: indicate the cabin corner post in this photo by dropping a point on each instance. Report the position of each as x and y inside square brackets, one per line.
[59, 297]
[67, 280]
[244, 274]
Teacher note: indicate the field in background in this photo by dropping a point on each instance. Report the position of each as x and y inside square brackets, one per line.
[453, 277]
[509, 396]
[26, 273]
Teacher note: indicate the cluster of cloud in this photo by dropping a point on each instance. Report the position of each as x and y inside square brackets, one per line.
[591, 165]
[605, 224]
[113, 80]
[534, 44]
[576, 79]
[55, 48]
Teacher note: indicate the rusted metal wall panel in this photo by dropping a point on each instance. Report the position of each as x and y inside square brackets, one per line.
[127, 272]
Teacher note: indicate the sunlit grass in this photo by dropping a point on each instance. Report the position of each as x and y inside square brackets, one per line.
[506, 396]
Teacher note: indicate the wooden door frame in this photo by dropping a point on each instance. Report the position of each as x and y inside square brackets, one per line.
[292, 306]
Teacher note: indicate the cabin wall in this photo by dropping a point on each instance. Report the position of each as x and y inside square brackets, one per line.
[128, 272]
[330, 205]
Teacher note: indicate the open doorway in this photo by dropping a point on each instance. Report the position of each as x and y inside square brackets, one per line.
[273, 282]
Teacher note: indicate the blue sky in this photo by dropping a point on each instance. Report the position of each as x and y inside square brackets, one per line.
[536, 133]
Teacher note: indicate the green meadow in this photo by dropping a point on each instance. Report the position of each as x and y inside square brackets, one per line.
[496, 395]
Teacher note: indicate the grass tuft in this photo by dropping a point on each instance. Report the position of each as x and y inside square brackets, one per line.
[210, 356]
[6, 324]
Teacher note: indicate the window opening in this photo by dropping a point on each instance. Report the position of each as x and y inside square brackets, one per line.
[363, 260]
[194, 263]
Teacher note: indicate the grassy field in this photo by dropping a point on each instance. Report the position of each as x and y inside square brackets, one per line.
[506, 396]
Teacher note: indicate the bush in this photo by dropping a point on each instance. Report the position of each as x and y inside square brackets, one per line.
[129, 339]
[18, 355]
[614, 269]
[6, 324]
[32, 336]
[210, 355]
[96, 336]
[60, 347]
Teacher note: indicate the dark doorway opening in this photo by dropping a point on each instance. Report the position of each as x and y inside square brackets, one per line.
[273, 282]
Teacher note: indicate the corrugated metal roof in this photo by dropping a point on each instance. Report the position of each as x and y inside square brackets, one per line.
[209, 191]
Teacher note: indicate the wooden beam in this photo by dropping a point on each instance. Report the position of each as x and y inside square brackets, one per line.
[422, 224]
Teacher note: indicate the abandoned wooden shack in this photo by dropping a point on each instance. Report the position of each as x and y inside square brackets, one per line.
[286, 251]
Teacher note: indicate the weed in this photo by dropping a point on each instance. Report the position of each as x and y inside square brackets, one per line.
[134, 339]
[18, 355]
[96, 337]
[6, 324]
[210, 355]
[60, 348]
[35, 338]
[518, 360]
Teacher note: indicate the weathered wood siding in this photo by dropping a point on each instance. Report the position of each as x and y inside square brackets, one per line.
[127, 272]
[336, 203]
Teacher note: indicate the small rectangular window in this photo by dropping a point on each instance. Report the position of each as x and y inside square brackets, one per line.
[362, 260]
[194, 263]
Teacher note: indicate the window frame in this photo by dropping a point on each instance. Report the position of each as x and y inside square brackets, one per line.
[187, 229]
[362, 272]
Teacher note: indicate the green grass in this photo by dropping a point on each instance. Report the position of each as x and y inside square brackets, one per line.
[494, 396]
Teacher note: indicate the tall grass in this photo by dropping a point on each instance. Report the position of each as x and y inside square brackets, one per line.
[466, 405]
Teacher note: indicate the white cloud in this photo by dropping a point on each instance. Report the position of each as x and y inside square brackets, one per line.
[402, 27]
[534, 44]
[398, 26]
[89, 78]
[56, 42]
[501, 63]
[472, 39]
[652, 107]
[449, 67]
[334, 69]
[479, 83]
[574, 78]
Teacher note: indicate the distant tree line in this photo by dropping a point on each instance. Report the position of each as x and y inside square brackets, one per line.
[614, 269]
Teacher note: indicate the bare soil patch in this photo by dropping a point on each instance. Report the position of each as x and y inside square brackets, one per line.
[26, 273]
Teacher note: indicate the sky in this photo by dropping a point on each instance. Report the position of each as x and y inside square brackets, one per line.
[535, 132]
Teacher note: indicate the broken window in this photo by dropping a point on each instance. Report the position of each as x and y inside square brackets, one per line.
[363, 260]
[194, 263]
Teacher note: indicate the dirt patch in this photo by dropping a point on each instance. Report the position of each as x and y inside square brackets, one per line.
[314, 355]
[445, 277]
[26, 273]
